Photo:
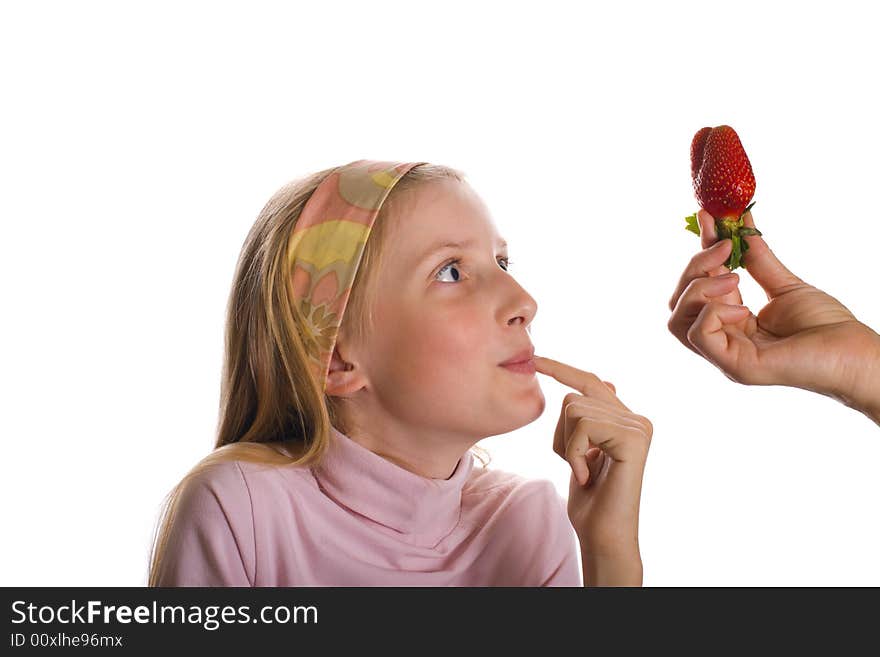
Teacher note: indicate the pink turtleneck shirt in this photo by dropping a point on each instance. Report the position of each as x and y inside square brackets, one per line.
[357, 519]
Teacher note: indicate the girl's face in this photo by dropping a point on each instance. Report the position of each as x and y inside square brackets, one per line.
[445, 318]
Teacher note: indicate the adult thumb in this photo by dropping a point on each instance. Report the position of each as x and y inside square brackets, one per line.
[764, 266]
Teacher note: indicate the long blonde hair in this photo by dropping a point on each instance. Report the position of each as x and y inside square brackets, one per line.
[272, 409]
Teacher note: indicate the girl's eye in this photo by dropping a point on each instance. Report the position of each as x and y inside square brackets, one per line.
[452, 264]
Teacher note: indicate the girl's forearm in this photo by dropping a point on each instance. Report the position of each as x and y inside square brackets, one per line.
[623, 568]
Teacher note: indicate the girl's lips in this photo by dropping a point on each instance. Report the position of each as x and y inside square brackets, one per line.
[523, 367]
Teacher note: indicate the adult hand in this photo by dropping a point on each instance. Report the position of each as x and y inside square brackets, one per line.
[803, 337]
[606, 445]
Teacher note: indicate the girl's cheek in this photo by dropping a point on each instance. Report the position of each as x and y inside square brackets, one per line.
[439, 344]
[446, 336]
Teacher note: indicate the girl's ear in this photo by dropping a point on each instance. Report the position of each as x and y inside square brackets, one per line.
[343, 379]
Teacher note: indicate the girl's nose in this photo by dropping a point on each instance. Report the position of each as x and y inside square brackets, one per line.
[523, 308]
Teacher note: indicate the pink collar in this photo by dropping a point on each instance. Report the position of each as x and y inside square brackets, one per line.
[422, 510]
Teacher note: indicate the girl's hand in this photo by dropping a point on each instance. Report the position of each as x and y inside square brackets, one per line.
[606, 445]
[802, 337]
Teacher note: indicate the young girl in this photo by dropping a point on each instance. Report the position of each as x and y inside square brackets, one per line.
[374, 335]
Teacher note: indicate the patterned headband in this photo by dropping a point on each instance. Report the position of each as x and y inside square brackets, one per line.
[326, 245]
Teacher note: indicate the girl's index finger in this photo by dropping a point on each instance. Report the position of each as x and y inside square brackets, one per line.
[586, 383]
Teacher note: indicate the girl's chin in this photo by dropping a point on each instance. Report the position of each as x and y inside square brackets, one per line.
[531, 403]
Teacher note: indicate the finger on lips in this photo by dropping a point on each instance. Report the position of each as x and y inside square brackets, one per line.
[592, 417]
[586, 383]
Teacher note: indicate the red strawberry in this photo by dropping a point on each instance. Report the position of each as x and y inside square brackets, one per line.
[721, 172]
[724, 184]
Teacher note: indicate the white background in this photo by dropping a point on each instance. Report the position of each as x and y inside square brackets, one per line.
[138, 142]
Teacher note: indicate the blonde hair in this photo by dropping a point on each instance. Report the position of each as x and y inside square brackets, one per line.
[272, 409]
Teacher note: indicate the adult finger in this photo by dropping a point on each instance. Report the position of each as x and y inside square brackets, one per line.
[765, 267]
[699, 292]
[709, 262]
[708, 235]
[714, 336]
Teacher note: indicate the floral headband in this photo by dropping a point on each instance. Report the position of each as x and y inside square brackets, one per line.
[325, 248]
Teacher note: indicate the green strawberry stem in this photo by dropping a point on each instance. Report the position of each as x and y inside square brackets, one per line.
[731, 229]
